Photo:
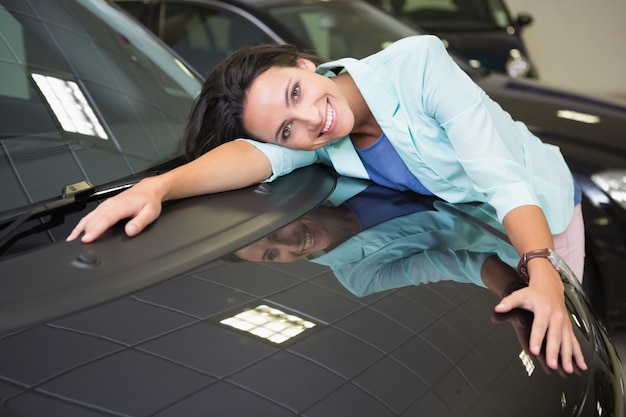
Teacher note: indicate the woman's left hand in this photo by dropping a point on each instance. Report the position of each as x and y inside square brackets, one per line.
[544, 296]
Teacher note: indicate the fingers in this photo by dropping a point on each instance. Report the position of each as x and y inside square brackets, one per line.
[142, 219]
[578, 356]
[142, 209]
[97, 222]
[553, 331]
[78, 229]
[551, 326]
[517, 299]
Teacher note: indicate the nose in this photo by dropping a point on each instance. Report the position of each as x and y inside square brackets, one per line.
[309, 116]
[282, 238]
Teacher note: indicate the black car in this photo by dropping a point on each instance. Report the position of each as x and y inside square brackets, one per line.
[589, 130]
[483, 31]
[183, 320]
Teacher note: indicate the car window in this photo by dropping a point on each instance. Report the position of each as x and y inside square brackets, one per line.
[335, 30]
[204, 36]
[433, 15]
[95, 95]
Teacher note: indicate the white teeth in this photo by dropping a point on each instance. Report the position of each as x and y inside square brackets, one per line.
[307, 240]
[329, 118]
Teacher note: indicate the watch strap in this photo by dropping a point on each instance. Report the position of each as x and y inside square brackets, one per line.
[522, 266]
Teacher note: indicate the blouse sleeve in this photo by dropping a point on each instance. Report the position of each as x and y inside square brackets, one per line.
[490, 146]
[283, 160]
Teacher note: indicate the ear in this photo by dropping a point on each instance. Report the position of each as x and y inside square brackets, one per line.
[306, 64]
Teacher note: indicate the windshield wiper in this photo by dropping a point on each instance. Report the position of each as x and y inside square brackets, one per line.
[73, 198]
[72, 194]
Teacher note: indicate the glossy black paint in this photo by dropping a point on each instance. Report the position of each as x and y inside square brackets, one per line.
[162, 350]
[90, 274]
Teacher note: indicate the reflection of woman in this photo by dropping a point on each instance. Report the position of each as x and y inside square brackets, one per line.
[320, 230]
[426, 246]
[380, 239]
[325, 228]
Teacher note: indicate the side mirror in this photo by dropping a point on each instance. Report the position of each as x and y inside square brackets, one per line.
[523, 19]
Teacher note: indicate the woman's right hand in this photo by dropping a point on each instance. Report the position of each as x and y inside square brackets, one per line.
[141, 203]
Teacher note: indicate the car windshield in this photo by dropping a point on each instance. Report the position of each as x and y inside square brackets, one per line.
[452, 15]
[92, 98]
[334, 29]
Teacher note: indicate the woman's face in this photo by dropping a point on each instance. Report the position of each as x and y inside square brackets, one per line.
[294, 241]
[297, 108]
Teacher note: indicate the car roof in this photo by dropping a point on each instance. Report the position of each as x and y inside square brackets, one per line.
[271, 3]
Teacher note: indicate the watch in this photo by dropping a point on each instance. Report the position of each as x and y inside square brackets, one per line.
[522, 266]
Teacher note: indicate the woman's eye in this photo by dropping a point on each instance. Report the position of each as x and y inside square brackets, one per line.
[295, 94]
[286, 131]
[272, 255]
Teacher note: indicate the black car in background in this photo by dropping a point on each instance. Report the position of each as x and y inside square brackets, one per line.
[183, 320]
[589, 130]
[481, 31]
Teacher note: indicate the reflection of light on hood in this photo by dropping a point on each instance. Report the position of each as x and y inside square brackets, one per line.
[69, 105]
[577, 116]
[269, 323]
[528, 363]
[612, 182]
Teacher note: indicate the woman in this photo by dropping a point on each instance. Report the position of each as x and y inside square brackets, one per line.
[407, 118]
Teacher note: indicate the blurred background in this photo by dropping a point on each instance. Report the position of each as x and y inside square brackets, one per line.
[578, 44]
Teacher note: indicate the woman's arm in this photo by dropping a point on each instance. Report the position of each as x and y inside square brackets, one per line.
[230, 166]
[527, 229]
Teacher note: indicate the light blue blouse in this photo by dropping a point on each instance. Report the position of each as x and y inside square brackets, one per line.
[461, 145]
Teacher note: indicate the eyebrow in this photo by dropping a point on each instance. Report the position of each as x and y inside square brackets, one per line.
[281, 127]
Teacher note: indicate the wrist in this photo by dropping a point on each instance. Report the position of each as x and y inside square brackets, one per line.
[539, 256]
[157, 186]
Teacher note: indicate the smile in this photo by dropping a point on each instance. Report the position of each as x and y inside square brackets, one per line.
[329, 119]
[308, 240]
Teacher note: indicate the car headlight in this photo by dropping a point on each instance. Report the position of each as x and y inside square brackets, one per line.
[517, 65]
[612, 182]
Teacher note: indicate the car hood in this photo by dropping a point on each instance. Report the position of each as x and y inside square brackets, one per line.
[490, 47]
[388, 321]
[585, 127]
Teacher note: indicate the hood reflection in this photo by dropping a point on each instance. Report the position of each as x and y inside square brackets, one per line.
[375, 239]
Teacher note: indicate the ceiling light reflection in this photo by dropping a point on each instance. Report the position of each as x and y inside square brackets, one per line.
[528, 363]
[269, 323]
[578, 116]
[69, 105]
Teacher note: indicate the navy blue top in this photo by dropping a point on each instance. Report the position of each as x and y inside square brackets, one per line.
[385, 167]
